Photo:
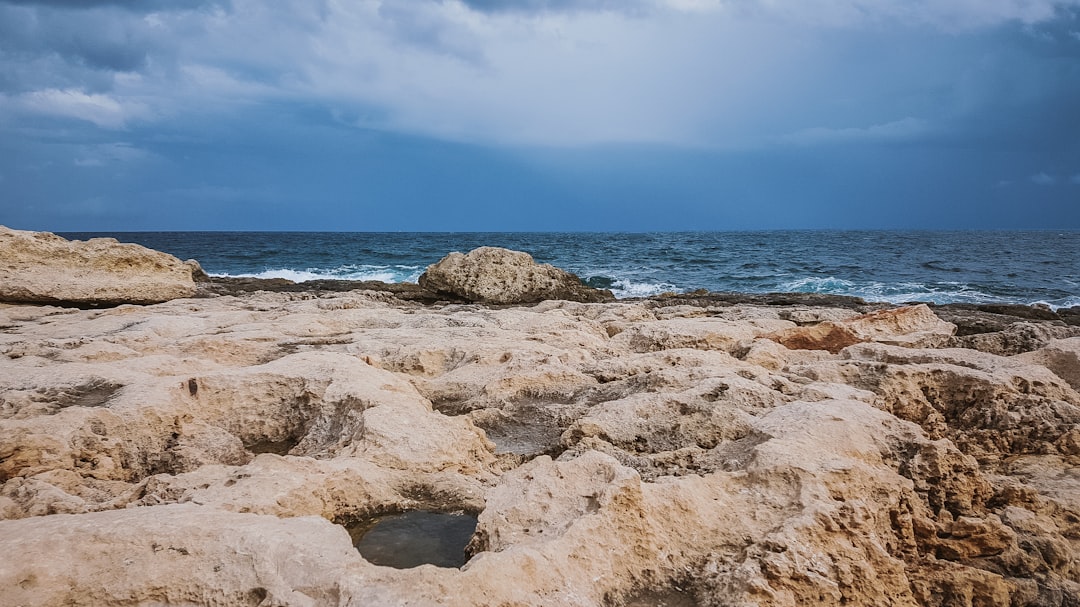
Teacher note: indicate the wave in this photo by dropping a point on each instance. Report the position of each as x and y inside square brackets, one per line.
[906, 292]
[814, 284]
[623, 287]
[626, 288]
[1071, 301]
[895, 293]
[389, 274]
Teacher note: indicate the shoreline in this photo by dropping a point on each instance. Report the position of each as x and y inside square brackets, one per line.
[408, 291]
[890, 266]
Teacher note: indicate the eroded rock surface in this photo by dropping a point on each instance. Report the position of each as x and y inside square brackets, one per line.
[213, 451]
[909, 326]
[39, 267]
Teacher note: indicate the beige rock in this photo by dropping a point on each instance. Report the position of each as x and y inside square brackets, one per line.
[1017, 338]
[697, 333]
[990, 406]
[501, 276]
[316, 404]
[40, 267]
[179, 554]
[913, 326]
[1060, 356]
[200, 451]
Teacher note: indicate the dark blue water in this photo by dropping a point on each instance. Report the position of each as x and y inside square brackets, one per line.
[894, 266]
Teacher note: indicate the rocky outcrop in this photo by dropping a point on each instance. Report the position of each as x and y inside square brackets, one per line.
[501, 276]
[911, 326]
[221, 451]
[1060, 356]
[39, 267]
[1016, 338]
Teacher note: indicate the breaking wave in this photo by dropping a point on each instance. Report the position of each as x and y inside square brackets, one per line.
[904, 292]
[346, 272]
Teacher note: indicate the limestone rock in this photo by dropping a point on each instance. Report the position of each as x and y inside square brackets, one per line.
[1060, 356]
[1016, 338]
[180, 554]
[210, 451]
[913, 326]
[39, 267]
[501, 276]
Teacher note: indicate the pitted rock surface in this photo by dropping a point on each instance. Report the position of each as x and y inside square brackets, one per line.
[212, 451]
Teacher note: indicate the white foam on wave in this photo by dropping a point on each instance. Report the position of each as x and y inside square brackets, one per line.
[894, 293]
[816, 284]
[389, 274]
[1058, 304]
[622, 289]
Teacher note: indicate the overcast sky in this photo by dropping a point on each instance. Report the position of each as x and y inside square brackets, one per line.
[539, 114]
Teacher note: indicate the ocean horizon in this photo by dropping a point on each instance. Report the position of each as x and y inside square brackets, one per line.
[895, 266]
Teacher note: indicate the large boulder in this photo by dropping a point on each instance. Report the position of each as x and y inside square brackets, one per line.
[40, 267]
[501, 276]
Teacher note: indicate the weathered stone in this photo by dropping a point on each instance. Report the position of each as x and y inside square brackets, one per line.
[1016, 338]
[501, 276]
[200, 451]
[1060, 356]
[914, 326]
[39, 267]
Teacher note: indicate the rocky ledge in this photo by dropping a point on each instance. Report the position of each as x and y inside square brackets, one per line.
[39, 267]
[684, 450]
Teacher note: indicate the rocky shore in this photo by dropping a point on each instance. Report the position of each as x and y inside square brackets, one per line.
[218, 447]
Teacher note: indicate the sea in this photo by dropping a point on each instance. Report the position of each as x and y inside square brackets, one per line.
[1025, 267]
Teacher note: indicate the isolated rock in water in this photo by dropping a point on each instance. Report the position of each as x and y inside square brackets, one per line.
[40, 267]
[501, 276]
[912, 326]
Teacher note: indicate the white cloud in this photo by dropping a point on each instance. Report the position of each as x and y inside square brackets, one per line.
[546, 79]
[946, 14]
[103, 110]
[727, 73]
[1043, 178]
[899, 130]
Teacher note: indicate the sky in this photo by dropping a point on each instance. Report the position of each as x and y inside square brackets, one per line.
[575, 115]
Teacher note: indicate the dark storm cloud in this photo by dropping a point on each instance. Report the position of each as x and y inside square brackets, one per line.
[43, 48]
[93, 40]
[1024, 87]
[121, 107]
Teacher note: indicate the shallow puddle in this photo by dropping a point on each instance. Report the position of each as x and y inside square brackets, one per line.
[525, 439]
[415, 538]
[281, 447]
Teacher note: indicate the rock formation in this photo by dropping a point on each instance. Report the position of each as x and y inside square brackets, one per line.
[39, 267]
[501, 276]
[219, 450]
[912, 326]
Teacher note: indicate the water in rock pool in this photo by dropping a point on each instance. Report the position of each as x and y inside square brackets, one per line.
[415, 538]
